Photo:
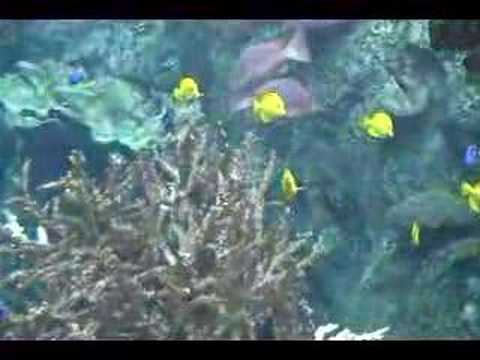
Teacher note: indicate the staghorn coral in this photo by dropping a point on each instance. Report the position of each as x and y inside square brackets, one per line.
[165, 246]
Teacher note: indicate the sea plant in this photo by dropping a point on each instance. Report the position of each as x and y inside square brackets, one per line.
[168, 245]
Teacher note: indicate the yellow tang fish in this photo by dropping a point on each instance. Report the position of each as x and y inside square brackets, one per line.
[290, 184]
[472, 194]
[415, 234]
[268, 106]
[186, 90]
[378, 125]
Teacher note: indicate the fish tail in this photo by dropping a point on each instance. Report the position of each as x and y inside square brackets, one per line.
[177, 95]
[297, 48]
[466, 188]
[415, 234]
[264, 117]
[256, 107]
[363, 122]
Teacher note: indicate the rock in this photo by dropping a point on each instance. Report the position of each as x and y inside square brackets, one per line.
[432, 208]
[454, 34]
[417, 77]
[258, 62]
[472, 63]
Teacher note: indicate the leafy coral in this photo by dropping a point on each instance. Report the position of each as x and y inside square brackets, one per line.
[114, 109]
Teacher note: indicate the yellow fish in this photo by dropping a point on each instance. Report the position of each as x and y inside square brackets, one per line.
[378, 125]
[472, 194]
[186, 90]
[290, 184]
[268, 106]
[415, 234]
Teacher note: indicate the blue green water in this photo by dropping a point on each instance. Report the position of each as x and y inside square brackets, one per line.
[104, 88]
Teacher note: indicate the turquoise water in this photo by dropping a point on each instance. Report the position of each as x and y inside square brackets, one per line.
[132, 212]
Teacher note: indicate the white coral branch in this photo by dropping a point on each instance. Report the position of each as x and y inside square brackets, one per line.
[325, 332]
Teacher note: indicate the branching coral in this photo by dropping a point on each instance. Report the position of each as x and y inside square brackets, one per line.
[170, 245]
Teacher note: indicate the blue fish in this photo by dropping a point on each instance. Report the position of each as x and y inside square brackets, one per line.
[472, 155]
[4, 311]
[168, 121]
[76, 76]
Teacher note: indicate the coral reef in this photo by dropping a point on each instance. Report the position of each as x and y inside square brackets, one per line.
[183, 235]
[169, 245]
[113, 109]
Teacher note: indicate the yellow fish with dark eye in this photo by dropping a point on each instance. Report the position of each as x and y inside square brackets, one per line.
[268, 106]
[186, 90]
[415, 234]
[472, 193]
[290, 185]
[378, 125]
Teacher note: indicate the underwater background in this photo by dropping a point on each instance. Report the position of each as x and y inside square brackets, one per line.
[239, 179]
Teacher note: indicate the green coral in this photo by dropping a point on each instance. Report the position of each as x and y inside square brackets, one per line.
[119, 112]
[114, 109]
[29, 94]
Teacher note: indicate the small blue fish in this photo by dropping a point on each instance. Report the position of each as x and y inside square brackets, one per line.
[4, 311]
[472, 155]
[168, 121]
[77, 75]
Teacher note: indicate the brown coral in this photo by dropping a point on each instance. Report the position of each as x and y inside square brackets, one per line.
[166, 246]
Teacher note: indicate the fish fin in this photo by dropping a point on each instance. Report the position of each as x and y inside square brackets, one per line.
[474, 205]
[297, 48]
[257, 111]
[263, 117]
[297, 180]
[415, 234]
[256, 106]
[373, 133]
[239, 104]
[363, 123]
[466, 188]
